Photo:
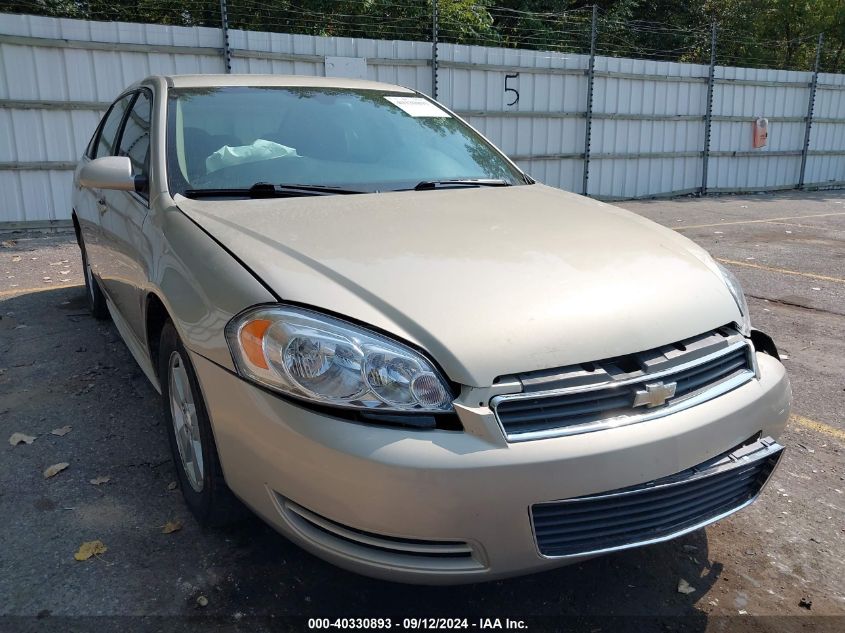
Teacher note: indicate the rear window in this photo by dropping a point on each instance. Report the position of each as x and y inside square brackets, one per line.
[105, 144]
[135, 140]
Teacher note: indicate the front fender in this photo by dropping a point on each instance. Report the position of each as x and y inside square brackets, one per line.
[201, 285]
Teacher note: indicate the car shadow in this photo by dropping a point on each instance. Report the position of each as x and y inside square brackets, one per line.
[637, 583]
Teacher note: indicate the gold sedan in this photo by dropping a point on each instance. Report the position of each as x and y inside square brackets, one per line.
[373, 329]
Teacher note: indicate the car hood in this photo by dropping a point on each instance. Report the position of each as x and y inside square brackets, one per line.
[489, 281]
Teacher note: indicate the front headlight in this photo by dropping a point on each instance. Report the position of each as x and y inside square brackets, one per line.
[739, 296]
[309, 355]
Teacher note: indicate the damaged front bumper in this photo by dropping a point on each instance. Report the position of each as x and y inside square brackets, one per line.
[658, 510]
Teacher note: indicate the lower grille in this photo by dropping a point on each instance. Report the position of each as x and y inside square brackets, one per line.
[657, 511]
[419, 554]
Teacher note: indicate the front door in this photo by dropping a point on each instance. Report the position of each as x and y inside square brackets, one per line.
[91, 204]
[124, 269]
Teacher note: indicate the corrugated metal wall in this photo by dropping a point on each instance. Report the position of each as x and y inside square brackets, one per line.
[647, 128]
[40, 140]
[531, 104]
[403, 63]
[639, 118]
[740, 96]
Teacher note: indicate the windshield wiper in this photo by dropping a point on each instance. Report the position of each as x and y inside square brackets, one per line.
[461, 182]
[269, 190]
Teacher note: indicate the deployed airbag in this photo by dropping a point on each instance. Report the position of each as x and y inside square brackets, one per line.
[260, 150]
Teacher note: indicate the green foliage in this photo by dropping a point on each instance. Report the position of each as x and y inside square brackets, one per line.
[762, 33]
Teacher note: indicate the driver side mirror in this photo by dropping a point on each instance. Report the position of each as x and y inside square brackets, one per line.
[111, 172]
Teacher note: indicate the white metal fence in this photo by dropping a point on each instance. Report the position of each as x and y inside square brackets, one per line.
[647, 125]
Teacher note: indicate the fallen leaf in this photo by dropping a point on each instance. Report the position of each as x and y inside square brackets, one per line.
[685, 587]
[171, 485]
[170, 527]
[16, 258]
[18, 438]
[62, 431]
[100, 480]
[202, 601]
[55, 469]
[89, 549]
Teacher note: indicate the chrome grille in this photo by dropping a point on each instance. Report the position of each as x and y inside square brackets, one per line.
[701, 376]
[656, 511]
[624, 390]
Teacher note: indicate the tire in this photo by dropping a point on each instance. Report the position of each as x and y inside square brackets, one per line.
[96, 298]
[191, 438]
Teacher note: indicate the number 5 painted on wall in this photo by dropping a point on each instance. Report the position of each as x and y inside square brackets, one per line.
[513, 90]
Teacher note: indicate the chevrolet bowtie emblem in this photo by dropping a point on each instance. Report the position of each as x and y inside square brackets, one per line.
[654, 394]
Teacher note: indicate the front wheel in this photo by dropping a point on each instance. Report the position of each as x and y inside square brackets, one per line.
[191, 438]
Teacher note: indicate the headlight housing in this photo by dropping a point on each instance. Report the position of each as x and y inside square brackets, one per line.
[313, 356]
[739, 296]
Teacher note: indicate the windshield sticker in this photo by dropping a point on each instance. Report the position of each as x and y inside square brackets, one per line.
[418, 107]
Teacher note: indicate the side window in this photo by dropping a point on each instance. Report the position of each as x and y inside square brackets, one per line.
[91, 148]
[135, 140]
[105, 144]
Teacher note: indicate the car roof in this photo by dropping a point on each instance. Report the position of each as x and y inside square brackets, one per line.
[211, 81]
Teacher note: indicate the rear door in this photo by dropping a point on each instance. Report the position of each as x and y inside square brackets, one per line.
[124, 270]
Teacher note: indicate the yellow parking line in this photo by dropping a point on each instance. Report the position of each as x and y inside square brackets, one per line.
[794, 217]
[802, 226]
[785, 271]
[26, 291]
[821, 427]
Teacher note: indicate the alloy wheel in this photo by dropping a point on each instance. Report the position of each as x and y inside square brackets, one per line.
[185, 423]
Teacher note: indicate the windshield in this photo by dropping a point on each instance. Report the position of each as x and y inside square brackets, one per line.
[363, 140]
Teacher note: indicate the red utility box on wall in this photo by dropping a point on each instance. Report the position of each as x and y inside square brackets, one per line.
[761, 132]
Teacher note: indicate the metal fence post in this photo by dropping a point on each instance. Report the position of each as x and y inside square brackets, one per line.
[810, 106]
[434, 20]
[224, 22]
[708, 115]
[589, 114]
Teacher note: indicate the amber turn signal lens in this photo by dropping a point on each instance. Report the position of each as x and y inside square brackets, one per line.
[252, 338]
